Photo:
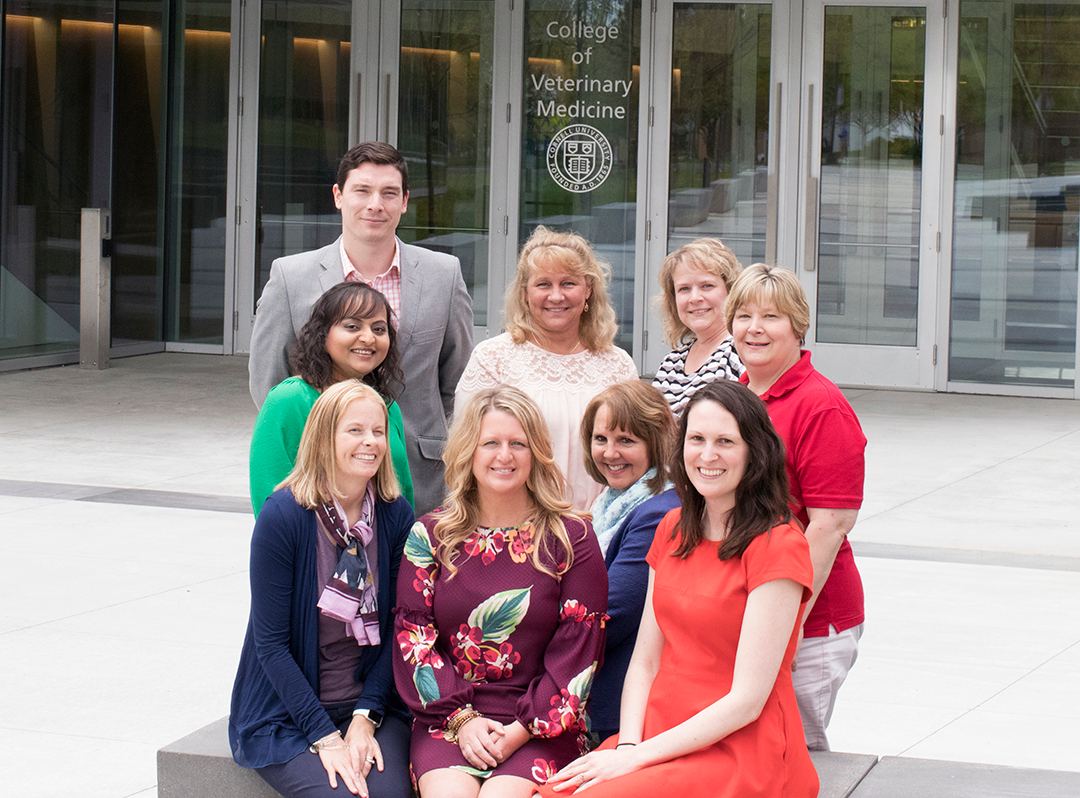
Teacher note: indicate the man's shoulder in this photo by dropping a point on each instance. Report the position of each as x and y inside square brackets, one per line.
[303, 262]
[428, 258]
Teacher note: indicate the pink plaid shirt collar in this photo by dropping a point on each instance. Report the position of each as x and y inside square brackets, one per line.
[389, 282]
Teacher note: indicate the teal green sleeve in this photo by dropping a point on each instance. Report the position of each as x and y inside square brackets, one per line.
[276, 437]
[398, 454]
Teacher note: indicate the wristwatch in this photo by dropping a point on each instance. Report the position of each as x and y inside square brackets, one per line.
[371, 714]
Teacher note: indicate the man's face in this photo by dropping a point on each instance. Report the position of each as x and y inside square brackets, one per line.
[371, 203]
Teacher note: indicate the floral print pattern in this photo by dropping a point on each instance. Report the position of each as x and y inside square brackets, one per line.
[481, 661]
[485, 542]
[543, 770]
[515, 642]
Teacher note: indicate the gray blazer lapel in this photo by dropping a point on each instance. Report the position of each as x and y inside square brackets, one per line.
[412, 281]
[332, 272]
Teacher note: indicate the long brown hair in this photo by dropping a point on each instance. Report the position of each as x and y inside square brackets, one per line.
[546, 485]
[761, 497]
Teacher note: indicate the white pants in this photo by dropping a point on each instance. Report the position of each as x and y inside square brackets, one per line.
[821, 666]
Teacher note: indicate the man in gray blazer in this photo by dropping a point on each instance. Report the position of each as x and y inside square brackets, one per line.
[425, 288]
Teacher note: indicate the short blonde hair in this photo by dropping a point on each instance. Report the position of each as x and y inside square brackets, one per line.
[641, 410]
[704, 254]
[550, 251]
[762, 284]
[314, 477]
[546, 485]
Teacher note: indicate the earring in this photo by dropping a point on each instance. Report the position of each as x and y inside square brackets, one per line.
[586, 310]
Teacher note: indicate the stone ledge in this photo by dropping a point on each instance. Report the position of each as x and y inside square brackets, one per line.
[903, 777]
[201, 766]
[840, 774]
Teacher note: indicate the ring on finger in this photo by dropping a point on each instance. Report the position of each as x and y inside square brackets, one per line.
[371, 760]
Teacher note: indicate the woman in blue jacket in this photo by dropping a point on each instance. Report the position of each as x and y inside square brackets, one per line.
[314, 701]
[627, 434]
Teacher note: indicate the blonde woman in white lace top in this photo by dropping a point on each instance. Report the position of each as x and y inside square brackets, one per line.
[558, 345]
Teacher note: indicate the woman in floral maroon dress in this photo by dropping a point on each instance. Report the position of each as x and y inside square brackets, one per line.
[500, 622]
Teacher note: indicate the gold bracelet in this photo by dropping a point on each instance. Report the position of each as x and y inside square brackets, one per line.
[458, 718]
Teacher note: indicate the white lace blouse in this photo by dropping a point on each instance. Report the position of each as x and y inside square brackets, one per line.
[561, 385]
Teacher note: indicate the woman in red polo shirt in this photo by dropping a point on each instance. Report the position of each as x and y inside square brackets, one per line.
[768, 316]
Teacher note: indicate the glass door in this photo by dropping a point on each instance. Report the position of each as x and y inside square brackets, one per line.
[442, 73]
[873, 99]
[1016, 211]
[719, 101]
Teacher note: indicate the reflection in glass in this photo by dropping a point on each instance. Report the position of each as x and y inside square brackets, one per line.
[55, 142]
[871, 175]
[579, 138]
[444, 132]
[720, 70]
[198, 173]
[136, 202]
[1015, 234]
[303, 126]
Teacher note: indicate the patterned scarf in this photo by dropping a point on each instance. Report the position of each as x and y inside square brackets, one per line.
[611, 508]
[350, 594]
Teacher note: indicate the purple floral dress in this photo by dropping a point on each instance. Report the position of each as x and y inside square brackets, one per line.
[512, 641]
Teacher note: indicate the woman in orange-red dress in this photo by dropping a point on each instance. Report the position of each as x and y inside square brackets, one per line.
[708, 708]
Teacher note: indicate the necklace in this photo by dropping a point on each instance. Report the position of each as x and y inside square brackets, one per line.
[578, 346]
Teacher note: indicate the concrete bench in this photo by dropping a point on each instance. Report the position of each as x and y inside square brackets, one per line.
[201, 766]
[901, 777]
[840, 774]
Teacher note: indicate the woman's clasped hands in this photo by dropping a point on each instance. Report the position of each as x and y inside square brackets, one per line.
[486, 743]
[594, 768]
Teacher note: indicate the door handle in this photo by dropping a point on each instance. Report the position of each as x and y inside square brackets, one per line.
[358, 109]
[812, 198]
[386, 111]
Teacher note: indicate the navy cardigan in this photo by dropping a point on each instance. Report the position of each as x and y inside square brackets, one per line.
[628, 580]
[275, 710]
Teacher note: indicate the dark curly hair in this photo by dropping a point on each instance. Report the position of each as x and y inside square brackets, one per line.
[761, 497]
[309, 358]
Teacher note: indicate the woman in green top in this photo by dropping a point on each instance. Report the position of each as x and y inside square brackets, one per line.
[350, 335]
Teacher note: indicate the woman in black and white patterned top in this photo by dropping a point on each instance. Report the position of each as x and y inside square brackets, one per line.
[695, 280]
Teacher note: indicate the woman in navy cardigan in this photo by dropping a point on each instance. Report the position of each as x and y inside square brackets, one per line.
[314, 702]
[627, 434]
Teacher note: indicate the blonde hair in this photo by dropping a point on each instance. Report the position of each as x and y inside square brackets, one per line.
[704, 254]
[641, 410]
[762, 284]
[314, 477]
[546, 485]
[550, 251]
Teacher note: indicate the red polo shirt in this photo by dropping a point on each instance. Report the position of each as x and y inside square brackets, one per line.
[825, 469]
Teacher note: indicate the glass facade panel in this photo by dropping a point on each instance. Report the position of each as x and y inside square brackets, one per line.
[198, 173]
[444, 132]
[55, 143]
[1015, 228]
[718, 159]
[871, 175]
[138, 137]
[580, 137]
[303, 126]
